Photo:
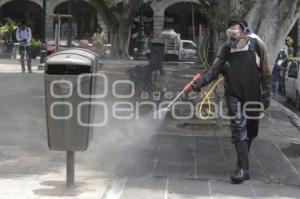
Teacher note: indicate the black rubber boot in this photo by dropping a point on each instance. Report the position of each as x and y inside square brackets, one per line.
[237, 169]
[243, 163]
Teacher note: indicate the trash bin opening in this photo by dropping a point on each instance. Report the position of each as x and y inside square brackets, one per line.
[67, 69]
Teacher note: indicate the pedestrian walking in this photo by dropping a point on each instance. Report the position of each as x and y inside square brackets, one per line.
[99, 41]
[24, 36]
[276, 79]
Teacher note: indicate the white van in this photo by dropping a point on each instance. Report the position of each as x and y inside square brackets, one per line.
[182, 50]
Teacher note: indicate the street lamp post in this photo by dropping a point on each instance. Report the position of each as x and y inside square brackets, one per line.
[70, 24]
[141, 42]
[44, 36]
[211, 50]
[44, 20]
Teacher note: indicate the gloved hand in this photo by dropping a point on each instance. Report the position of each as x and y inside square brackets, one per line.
[23, 42]
[266, 82]
[196, 87]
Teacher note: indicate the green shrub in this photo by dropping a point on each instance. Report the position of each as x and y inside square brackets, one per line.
[36, 43]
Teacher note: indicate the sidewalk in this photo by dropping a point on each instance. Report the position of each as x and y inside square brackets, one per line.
[14, 66]
[139, 159]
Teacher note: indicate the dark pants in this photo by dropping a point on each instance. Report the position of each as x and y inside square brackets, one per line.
[243, 128]
[25, 51]
[275, 86]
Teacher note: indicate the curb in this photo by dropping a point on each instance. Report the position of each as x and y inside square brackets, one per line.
[295, 119]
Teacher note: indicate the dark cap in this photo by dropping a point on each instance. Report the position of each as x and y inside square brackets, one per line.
[23, 22]
[243, 23]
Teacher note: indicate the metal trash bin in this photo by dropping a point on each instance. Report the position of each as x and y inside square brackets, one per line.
[157, 51]
[157, 56]
[68, 85]
[89, 53]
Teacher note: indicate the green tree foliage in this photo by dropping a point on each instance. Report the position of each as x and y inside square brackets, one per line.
[118, 16]
[110, 3]
[219, 14]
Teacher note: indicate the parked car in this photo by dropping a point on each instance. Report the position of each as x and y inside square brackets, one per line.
[292, 82]
[63, 44]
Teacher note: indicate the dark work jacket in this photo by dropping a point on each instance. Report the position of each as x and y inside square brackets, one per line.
[242, 75]
[243, 78]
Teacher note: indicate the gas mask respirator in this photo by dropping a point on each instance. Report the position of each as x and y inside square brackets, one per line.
[236, 38]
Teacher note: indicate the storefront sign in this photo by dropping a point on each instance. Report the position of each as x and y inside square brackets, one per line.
[150, 19]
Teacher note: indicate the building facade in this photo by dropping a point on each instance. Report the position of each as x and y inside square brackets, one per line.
[86, 16]
[183, 15]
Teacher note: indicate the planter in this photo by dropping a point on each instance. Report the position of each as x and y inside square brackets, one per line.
[8, 47]
[35, 51]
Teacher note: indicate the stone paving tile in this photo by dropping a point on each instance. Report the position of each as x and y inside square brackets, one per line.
[182, 189]
[146, 188]
[275, 164]
[288, 131]
[275, 192]
[221, 190]
[175, 162]
[210, 160]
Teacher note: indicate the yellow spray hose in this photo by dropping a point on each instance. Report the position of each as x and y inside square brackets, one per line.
[206, 99]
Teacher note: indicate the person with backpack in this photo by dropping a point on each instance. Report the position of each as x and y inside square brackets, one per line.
[24, 36]
[276, 80]
[243, 62]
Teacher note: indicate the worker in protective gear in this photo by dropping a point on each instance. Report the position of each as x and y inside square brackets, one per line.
[243, 62]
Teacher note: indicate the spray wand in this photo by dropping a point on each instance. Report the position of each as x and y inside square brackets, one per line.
[206, 95]
[186, 88]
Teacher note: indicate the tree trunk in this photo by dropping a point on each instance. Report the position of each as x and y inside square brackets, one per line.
[120, 38]
[272, 20]
[118, 19]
